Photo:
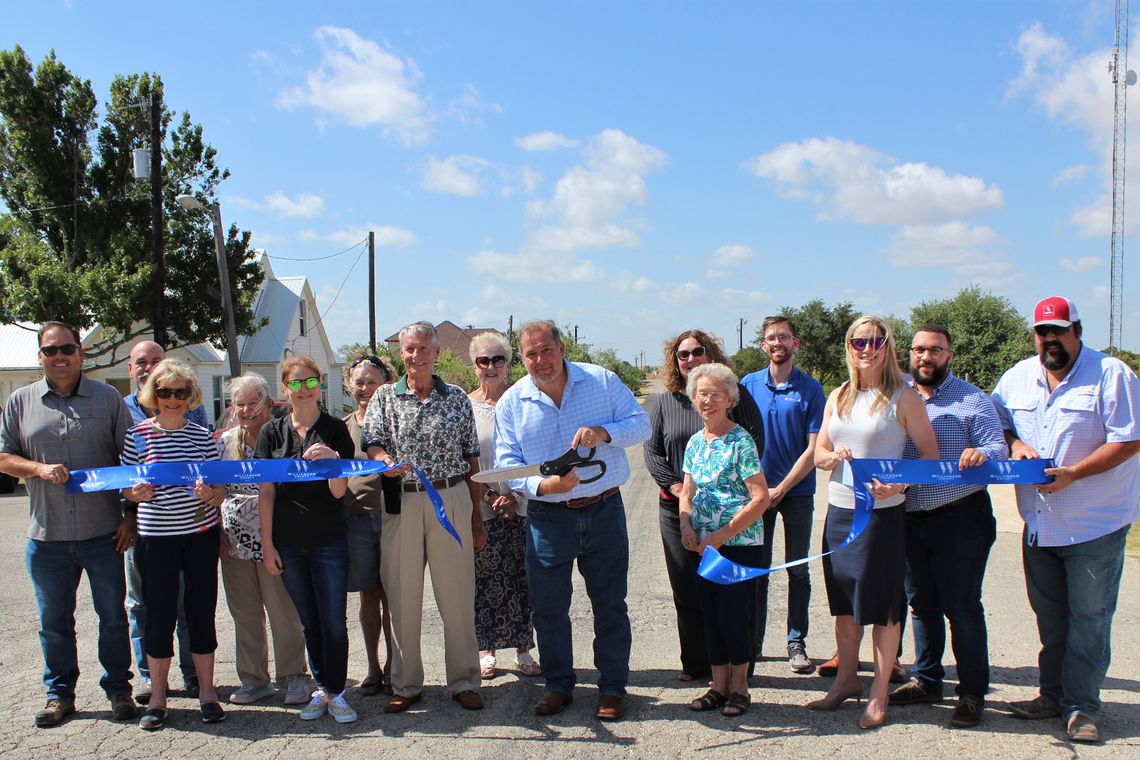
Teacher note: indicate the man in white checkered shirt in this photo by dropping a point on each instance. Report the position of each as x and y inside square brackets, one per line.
[1078, 407]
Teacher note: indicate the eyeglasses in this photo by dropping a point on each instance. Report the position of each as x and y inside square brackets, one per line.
[179, 393]
[68, 349]
[490, 361]
[683, 355]
[861, 344]
[1041, 330]
[711, 395]
[934, 351]
[308, 382]
[781, 338]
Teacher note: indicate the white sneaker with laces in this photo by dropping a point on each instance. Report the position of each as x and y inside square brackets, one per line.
[318, 706]
[340, 710]
[297, 690]
[247, 694]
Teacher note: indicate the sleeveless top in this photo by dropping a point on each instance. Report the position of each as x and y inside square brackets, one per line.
[869, 436]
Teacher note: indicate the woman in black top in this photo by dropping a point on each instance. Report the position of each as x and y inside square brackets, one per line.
[303, 532]
[674, 422]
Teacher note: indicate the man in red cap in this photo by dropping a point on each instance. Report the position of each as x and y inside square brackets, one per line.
[1078, 407]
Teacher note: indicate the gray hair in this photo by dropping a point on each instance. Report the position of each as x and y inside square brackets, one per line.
[249, 382]
[718, 372]
[420, 329]
[485, 340]
[541, 325]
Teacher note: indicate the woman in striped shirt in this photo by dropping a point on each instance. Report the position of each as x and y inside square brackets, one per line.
[178, 536]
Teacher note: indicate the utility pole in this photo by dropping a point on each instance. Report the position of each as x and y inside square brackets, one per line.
[511, 329]
[575, 333]
[158, 279]
[740, 333]
[1121, 78]
[372, 292]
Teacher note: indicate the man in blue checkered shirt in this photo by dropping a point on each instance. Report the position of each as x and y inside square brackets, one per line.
[949, 532]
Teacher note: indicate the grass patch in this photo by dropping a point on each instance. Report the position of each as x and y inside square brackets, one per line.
[1133, 542]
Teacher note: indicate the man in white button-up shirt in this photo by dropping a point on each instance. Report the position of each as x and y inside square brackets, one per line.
[1078, 407]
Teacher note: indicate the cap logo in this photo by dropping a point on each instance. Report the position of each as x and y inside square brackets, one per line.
[1047, 310]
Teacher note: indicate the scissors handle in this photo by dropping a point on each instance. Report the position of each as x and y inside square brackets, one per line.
[572, 459]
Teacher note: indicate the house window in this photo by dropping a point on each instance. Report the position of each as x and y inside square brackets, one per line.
[325, 391]
[301, 311]
[219, 386]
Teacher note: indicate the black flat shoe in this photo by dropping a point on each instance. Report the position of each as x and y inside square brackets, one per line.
[153, 719]
[212, 712]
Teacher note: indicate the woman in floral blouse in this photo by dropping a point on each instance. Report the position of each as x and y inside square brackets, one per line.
[722, 499]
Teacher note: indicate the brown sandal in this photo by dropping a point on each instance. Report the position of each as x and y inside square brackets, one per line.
[736, 704]
[710, 700]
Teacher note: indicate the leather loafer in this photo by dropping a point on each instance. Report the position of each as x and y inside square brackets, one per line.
[552, 703]
[469, 699]
[610, 707]
[399, 703]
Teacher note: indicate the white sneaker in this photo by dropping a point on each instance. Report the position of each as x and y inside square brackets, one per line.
[318, 706]
[247, 694]
[340, 710]
[297, 690]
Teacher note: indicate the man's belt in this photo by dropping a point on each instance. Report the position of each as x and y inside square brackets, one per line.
[439, 485]
[585, 501]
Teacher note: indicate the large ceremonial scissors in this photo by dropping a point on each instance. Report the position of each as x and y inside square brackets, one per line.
[559, 466]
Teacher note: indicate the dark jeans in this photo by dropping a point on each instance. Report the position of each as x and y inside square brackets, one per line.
[690, 628]
[317, 582]
[796, 513]
[174, 566]
[595, 536]
[728, 611]
[55, 568]
[1073, 589]
[136, 616]
[946, 554]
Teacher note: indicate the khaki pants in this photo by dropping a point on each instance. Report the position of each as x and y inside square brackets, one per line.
[251, 592]
[409, 541]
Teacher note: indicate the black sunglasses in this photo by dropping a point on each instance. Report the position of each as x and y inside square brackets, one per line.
[861, 344]
[490, 361]
[1041, 330]
[68, 349]
[374, 361]
[698, 351]
[179, 393]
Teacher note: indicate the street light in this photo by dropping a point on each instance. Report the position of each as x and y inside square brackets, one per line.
[192, 203]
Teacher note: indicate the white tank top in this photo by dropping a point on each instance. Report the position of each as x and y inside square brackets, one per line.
[869, 436]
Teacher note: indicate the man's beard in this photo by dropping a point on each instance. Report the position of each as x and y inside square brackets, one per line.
[1059, 361]
[937, 375]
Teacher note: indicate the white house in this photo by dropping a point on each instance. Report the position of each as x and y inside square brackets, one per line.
[293, 327]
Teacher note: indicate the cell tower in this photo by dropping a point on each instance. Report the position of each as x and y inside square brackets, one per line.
[1121, 79]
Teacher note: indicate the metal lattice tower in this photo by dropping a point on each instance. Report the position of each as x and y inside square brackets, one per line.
[1118, 67]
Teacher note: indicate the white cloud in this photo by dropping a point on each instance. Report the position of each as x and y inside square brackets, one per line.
[524, 178]
[970, 252]
[851, 181]
[683, 293]
[1083, 264]
[738, 297]
[454, 175]
[470, 107]
[732, 255]
[592, 198]
[1070, 174]
[304, 206]
[541, 141]
[361, 84]
[533, 268]
[386, 236]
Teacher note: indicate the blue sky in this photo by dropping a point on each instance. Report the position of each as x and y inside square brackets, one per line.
[638, 168]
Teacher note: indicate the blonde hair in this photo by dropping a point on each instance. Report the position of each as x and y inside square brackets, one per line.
[250, 381]
[890, 380]
[166, 371]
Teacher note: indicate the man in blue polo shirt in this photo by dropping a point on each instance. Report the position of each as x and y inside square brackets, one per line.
[791, 405]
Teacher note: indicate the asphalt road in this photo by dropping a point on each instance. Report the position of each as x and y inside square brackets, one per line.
[658, 724]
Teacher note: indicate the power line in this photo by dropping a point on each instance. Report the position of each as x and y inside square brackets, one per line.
[321, 318]
[362, 241]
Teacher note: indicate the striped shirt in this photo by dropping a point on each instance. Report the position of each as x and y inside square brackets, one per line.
[173, 510]
[963, 417]
[1095, 403]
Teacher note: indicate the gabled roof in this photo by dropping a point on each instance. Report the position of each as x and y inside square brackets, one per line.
[277, 303]
[18, 346]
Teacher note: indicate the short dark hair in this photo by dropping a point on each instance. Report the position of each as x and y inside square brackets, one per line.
[775, 320]
[59, 326]
[932, 327]
[541, 325]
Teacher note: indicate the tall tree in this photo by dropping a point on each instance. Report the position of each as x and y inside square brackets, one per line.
[821, 330]
[76, 241]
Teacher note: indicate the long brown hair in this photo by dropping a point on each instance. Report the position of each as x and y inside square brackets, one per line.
[890, 380]
[674, 383]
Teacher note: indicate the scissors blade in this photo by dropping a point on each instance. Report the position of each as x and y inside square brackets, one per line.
[506, 473]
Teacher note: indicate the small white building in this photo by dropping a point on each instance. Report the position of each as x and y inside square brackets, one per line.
[292, 327]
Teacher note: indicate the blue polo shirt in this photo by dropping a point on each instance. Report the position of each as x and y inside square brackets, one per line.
[791, 412]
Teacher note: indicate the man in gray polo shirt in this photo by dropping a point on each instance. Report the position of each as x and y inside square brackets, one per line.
[61, 423]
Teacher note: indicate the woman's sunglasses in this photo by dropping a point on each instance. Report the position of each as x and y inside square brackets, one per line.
[179, 393]
[67, 350]
[861, 344]
[683, 355]
[374, 361]
[490, 361]
[308, 382]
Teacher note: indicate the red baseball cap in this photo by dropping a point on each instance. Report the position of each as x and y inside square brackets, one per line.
[1055, 310]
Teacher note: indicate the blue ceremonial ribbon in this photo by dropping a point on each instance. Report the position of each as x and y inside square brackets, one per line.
[716, 568]
[238, 471]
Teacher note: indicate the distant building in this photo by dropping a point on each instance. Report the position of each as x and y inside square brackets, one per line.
[452, 337]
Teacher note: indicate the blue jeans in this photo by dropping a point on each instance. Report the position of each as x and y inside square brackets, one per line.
[55, 568]
[796, 512]
[1073, 591]
[317, 582]
[946, 554]
[136, 615]
[596, 537]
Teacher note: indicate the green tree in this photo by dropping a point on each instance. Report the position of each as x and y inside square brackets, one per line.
[748, 359]
[989, 334]
[1131, 358]
[821, 330]
[76, 241]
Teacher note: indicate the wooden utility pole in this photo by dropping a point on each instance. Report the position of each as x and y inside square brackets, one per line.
[511, 329]
[372, 292]
[158, 279]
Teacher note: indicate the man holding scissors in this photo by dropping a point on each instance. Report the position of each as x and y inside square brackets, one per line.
[583, 406]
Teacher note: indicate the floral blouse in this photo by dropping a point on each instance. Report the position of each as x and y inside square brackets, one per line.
[241, 519]
[719, 468]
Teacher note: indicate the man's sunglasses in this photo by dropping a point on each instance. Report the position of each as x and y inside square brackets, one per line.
[1041, 330]
[179, 393]
[490, 361]
[308, 382]
[683, 355]
[68, 349]
[861, 344]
